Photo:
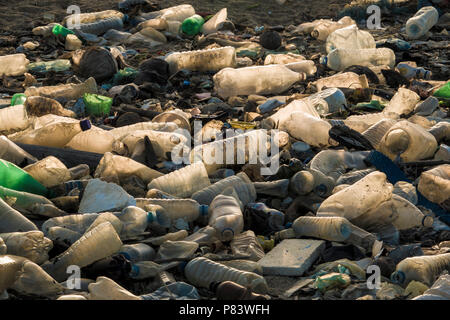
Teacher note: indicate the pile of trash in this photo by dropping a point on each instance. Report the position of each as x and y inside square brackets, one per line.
[150, 154]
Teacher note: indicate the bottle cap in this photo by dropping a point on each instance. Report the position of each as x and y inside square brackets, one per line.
[85, 124]
[203, 210]
[345, 230]
[151, 217]
[398, 277]
[134, 271]
[227, 234]
[324, 60]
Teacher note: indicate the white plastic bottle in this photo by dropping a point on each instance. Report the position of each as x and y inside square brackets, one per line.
[349, 38]
[202, 60]
[137, 252]
[63, 234]
[324, 28]
[377, 131]
[176, 13]
[68, 91]
[283, 58]
[226, 217]
[49, 171]
[304, 105]
[334, 97]
[172, 236]
[183, 182]
[424, 19]
[410, 72]
[202, 272]
[240, 182]
[403, 102]
[13, 221]
[13, 64]
[92, 16]
[95, 140]
[99, 243]
[327, 228]
[307, 66]
[31, 245]
[246, 244]
[339, 59]
[121, 132]
[305, 181]
[270, 79]
[75, 222]
[13, 118]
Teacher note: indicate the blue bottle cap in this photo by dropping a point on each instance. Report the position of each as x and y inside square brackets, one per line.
[126, 255]
[324, 60]
[85, 124]
[134, 271]
[150, 217]
[204, 210]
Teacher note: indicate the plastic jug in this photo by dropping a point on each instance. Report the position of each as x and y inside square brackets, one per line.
[14, 118]
[270, 79]
[339, 59]
[349, 38]
[137, 252]
[202, 272]
[13, 64]
[67, 91]
[226, 217]
[202, 60]
[183, 182]
[424, 19]
[49, 171]
[31, 245]
[9, 151]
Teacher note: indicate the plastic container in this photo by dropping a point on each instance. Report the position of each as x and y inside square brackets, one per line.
[183, 182]
[187, 209]
[304, 105]
[410, 72]
[63, 234]
[96, 140]
[285, 58]
[97, 105]
[340, 59]
[75, 222]
[349, 38]
[12, 177]
[96, 244]
[49, 171]
[40, 106]
[192, 25]
[58, 65]
[176, 13]
[278, 188]
[353, 176]
[335, 99]
[403, 102]
[101, 26]
[264, 220]
[137, 252]
[13, 65]
[13, 118]
[67, 91]
[424, 269]
[261, 80]
[424, 19]
[240, 182]
[203, 236]
[202, 60]
[246, 244]
[226, 217]
[324, 28]
[311, 180]
[376, 132]
[409, 141]
[327, 228]
[407, 191]
[31, 245]
[202, 272]
[10, 152]
[175, 250]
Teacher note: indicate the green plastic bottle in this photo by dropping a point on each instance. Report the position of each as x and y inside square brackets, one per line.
[57, 65]
[443, 92]
[60, 30]
[192, 25]
[97, 105]
[13, 177]
[18, 99]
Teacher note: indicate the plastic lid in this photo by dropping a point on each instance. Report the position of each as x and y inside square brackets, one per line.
[227, 234]
[85, 124]
[125, 254]
[150, 217]
[398, 277]
[134, 270]
[324, 60]
[203, 210]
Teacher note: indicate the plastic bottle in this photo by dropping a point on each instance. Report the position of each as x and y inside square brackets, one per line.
[10, 152]
[202, 272]
[76, 222]
[307, 66]
[107, 217]
[349, 80]
[12, 177]
[203, 236]
[95, 140]
[214, 59]
[262, 219]
[92, 16]
[183, 182]
[31, 245]
[40, 106]
[106, 289]
[226, 217]
[192, 25]
[304, 105]
[278, 188]
[175, 209]
[409, 141]
[177, 116]
[410, 72]
[228, 290]
[96, 244]
[13, 64]
[349, 38]
[58, 65]
[283, 58]
[13, 118]
[63, 234]
[246, 244]
[403, 102]
[97, 105]
[101, 26]
[327, 228]
[59, 30]
[424, 269]
[145, 269]
[434, 183]
[240, 182]
[214, 22]
[170, 250]
[137, 252]
[407, 191]
[121, 132]
[306, 181]
[334, 97]
[49, 171]
[67, 91]
[323, 29]
[270, 79]
[339, 59]
[376, 132]
[424, 19]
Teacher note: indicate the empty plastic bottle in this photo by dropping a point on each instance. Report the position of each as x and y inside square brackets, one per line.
[202, 60]
[403, 102]
[63, 234]
[277, 188]
[324, 28]
[246, 244]
[410, 72]
[172, 236]
[424, 269]
[339, 59]
[327, 228]
[13, 118]
[18, 98]
[92, 16]
[424, 19]
[192, 25]
[183, 182]
[13, 177]
[10, 152]
[376, 132]
[283, 58]
[96, 244]
[76, 222]
[40, 106]
[202, 272]
[58, 65]
[214, 22]
[68, 91]
[13, 64]
[349, 38]
[335, 99]
[106, 289]
[262, 219]
[307, 67]
[176, 13]
[121, 132]
[270, 79]
[137, 252]
[406, 190]
[240, 182]
[226, 217]
[31, 245]
[101, 26]
[306, 181]
[49, 171]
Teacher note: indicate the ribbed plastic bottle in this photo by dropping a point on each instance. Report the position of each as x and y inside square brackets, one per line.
[49, 171]
[121, 132]
[137, 252]
[58, 65]
[99, 243]
[411, 141]
[278, 188]
[68, 91]
[95, 140]
[202, 272]
[14, 118]
[13, 177]
[240, 182]
[306, 181]
[324, 28]
[424, 269]
[13, 64]
[353, 176]
[424, 19]
[283, 58]
[349, 38]
[226, 217]
[9, 151]
[339, 59]
[376, 132]
[327, 228]
[270, 79]
[31, 245]
[183, 182]
[101, 26]
[92, 16]
[246, 244]
[202, 60]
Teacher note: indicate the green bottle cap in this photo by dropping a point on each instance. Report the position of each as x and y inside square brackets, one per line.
[60, 30]
[18, 98]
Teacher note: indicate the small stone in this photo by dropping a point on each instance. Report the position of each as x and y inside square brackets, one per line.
[30, 45]
[270, 40]
[72, 42]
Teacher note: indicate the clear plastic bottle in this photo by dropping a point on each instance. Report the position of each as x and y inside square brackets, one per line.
[246, 244]
[307, 66]
[278, 188]
[49, 171]
[409, 141]
[270, 79]
[303, 105]
[176, 13]
[283, 58]
[183, 182]
[349, 38]
[403, 102]
[172, 236]
[99, 243]
[95, 140]
[349, 80]
[13, 220]
[13, 64]
[226, 217]
[213, 23]
[202, 60]
[137, 252]
[240, 182]
[327, 228]
[324, 28]
[424, 19]
[106, 289]
[39, 106]
[63, 234]
[410, 72]
[203, 272]
[121, 132]
[306, 181]
[424, 269]
[334, 97]
[170, 250]
[101, 26]
[406, 190]
[434, 183]
[76, 222]
[9, 151]
[58, 65]
[339, 59]
[14, 118]
[31, 245]
[68, 91]
[134, 221]
[203, 236]
[92, 16]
